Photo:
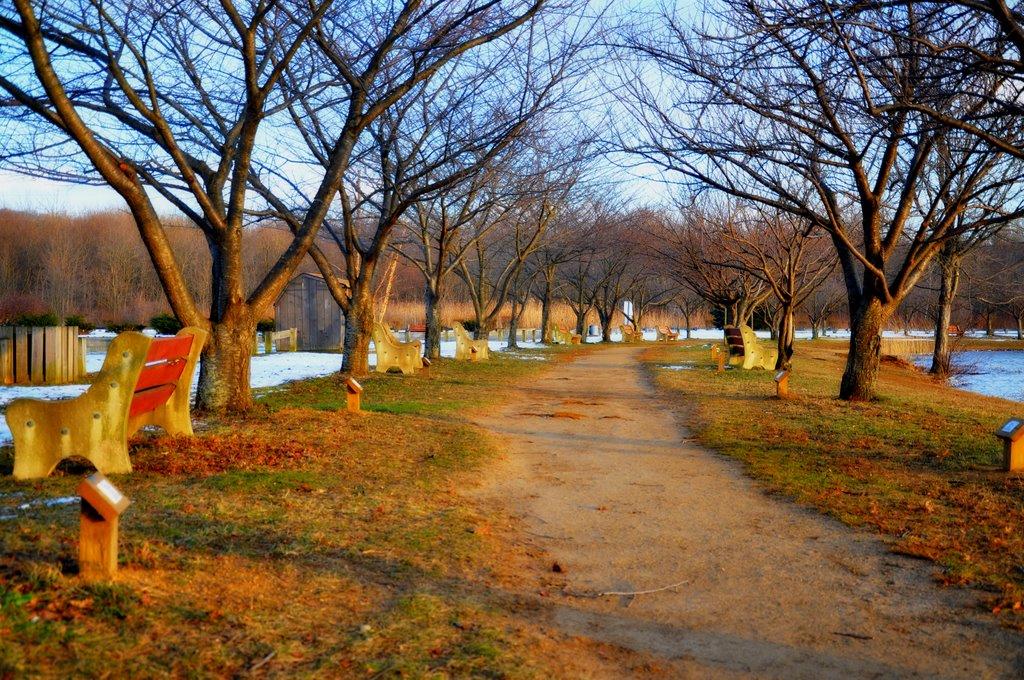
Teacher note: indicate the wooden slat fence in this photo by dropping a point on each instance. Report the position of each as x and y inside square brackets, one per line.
[41, 355]
[905, 348]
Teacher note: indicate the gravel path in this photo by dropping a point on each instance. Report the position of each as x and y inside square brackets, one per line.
[609, 486]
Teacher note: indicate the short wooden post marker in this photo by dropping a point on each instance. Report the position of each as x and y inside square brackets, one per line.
[102, 505]
[426, 365]
[354, 389]
[782, 384]
[1012, 434]
[719, 356]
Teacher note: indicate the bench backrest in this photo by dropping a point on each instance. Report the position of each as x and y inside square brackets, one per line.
[165, 362]
[734, 338]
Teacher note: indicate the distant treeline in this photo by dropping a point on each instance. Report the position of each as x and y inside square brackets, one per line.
[94, 266]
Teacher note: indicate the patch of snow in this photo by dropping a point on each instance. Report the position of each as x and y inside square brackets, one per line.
[678, 367]
[37, 503]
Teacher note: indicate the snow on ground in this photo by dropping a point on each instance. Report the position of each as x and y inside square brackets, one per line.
[268, 370]
[12, 512]
[996, 373]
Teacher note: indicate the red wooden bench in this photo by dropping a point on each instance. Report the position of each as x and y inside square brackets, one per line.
[144, 381]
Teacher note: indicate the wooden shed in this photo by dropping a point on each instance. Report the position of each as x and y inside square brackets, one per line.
[307, 304]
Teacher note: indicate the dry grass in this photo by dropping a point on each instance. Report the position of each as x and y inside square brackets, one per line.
[919, 465]
[298, 541]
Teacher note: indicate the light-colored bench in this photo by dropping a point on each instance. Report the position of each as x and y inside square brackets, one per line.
[665, 333]
[466, 348]
[630, 335]
[560, 335]
[392, 353]
[144, 381]
[746, 351]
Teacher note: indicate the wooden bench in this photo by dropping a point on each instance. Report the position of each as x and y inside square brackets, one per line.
[665, 333]
[630, 335]
[392, 353]
[560, 335]
[468, 349]
[746, 351]
[144, 381]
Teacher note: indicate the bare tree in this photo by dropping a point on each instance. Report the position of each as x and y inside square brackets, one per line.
[786, 253]
[147, 95]
[691, 250]
[496, 260]
[823, 303]
[500, 66]
[805, 110]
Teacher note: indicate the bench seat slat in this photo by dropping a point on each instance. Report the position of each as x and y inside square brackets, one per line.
[162, 349]
[160, 374]
[149, 400]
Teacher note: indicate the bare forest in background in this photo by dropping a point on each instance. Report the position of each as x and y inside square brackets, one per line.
[95, 266]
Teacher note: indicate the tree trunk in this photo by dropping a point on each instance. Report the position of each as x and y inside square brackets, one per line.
[1020, 327]
[990, 329]
[513, 325]
[688, 327]
[785, 335]
[864, 356]
[431, 308]
[581, 316]
[358, 327]
[814, 330]
[545, 305]
[606, 325]
[949, 272]
[225, 366]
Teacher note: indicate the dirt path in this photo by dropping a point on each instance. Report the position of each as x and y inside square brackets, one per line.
[622, 500]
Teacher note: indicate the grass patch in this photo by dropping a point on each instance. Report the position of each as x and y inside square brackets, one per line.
[919, 465]
[299, 540]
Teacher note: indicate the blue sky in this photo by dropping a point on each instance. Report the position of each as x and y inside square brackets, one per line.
[19, 192]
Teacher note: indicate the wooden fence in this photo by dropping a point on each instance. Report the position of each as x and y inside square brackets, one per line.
[272, 340]
[905, 348]
[41, 355]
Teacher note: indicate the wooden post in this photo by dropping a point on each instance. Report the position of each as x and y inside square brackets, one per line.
[268, 342]
[293, 336]
[1012, 434]
[719, 357]
[782, 384]
[22, 346]
[37, 373]
[353, 390]
[426, 366]
[102, 505]
[83, 349]
[51, 358]
[6, 362]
